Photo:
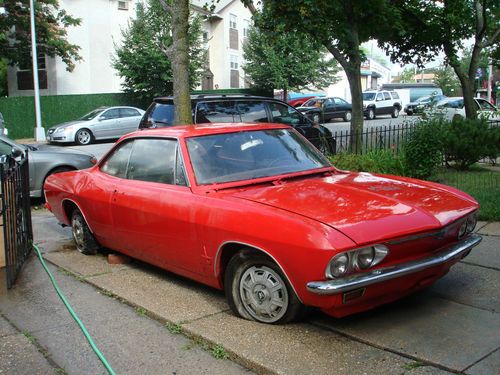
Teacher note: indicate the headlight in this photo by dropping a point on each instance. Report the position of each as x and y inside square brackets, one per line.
[471, 223]
[462, 230]
[62, 130]
[360, 259]
[339, 265]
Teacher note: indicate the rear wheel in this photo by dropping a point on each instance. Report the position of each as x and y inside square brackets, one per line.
[256, 289]
[395, 112]
[348, 116]
[83, 237]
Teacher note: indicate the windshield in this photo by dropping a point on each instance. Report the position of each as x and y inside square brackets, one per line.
[89, 116]
[423, 99]
[248, 155]
[162, 115]
[369, 95]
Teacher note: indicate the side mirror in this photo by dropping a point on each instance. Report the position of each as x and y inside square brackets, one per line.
[101, 118]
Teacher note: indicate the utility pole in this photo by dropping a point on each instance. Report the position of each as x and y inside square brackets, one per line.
[39, 130]
[490, 76]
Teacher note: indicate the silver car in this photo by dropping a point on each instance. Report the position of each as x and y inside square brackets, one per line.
[101, 123]
[45, 160]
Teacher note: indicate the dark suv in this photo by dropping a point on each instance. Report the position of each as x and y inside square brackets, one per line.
[239, 108]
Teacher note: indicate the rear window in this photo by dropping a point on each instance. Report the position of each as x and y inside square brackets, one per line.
[160, 116]
[369, 96]
[395, 95]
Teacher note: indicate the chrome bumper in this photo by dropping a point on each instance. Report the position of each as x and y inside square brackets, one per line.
[362, 280]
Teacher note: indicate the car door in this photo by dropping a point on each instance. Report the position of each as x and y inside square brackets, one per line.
[106, 125]
[152, 208]
[329, 110]
[128, 121]
[341, 107]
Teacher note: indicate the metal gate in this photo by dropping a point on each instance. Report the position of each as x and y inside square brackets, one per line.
[16, 213]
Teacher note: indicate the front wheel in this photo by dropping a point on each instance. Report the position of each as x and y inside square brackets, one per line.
[83, 237]
[371, 114]
[84, 137]
[348, 116]
[395, 112]
[256, 289]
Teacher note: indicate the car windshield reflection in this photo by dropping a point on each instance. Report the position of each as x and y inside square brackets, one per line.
[242, 156]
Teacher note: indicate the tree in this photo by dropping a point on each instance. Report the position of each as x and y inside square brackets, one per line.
[446, 78]
[341, 26]
[430, 27]
[407, 75]
[51, 34]
[287, 61]
[142, 60]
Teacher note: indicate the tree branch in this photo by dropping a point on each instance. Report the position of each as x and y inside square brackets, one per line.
[168, 51]
[167, 8]
[492, 39]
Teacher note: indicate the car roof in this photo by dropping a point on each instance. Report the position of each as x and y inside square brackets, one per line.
[199, 97]
[188, 131]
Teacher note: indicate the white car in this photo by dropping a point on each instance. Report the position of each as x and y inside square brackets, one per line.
[381, 103]
[101, 123]
[453, 108]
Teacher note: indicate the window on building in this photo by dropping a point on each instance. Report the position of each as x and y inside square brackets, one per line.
[205, 36]
[25, 74]
[234, 61]
[123, 5]
[246, 28]
[232, 21]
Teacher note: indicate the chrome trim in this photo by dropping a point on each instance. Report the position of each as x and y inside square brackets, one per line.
[216, 261]
[346, 284]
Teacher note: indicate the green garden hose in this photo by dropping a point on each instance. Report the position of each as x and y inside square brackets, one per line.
[73, 314]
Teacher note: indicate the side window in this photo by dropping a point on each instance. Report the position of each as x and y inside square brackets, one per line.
[387, 96]
[395, 95]
[116, 164]
[111, 114]
[485, 105]
[283, 114]
[180, 174]
[129, 112]
[162, 115]
[223, 111]
[252, 111]
[153, 160]
[380, 97]
[328, 103]
[339, 101]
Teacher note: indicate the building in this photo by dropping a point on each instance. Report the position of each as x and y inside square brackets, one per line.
[100, 29]
[373, 76]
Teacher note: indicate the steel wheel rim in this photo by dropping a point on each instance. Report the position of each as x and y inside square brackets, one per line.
[78, 229]
[83, 137]
[264, 294]
[348, 116]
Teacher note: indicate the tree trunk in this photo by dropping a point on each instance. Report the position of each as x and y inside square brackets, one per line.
[467, 91]
[180, 61]
[353, 72]
[285, 95]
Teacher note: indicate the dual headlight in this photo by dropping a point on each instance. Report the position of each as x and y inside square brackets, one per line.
[467, 226]
[355, 260]
[62, 130]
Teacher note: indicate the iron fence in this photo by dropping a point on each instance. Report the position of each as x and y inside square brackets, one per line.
[390, 137]
[16, 214]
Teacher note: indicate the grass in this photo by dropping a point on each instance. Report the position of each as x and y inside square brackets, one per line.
[173, 328]
[141, 311]
[480, 183]
[413, 365]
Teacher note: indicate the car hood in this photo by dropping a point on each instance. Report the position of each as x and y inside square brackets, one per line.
[68, 123]
[367, 207]
[304, 109]
[56, 149]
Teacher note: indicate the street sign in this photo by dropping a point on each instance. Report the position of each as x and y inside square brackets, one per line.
[479, 73]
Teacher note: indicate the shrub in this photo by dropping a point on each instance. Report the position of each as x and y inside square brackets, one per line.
[376, 161]
[422, 149]
[466, 141]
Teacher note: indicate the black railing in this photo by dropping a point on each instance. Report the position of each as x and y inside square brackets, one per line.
[16, 214]
[389, 137]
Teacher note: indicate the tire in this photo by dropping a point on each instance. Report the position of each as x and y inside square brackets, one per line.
[253, 299]
[84, 239]
[84, 137]
[348, 116]
[371, 114]
[409, 113]
[395, 112]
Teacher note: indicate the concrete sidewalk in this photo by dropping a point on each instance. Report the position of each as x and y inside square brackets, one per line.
[453, 326]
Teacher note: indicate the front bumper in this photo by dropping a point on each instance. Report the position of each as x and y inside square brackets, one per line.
[61, 137]
[346, 284]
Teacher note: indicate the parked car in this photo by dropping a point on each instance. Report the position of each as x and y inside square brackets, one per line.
[453, 108]
[101, 123]
[3, 129]
[299, 101]
[381, 103]
[255, 210]
[240, 108]
[45, 160]
[326, 109]
[422, 103]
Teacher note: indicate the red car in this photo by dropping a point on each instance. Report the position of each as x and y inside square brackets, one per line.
[257, 211]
